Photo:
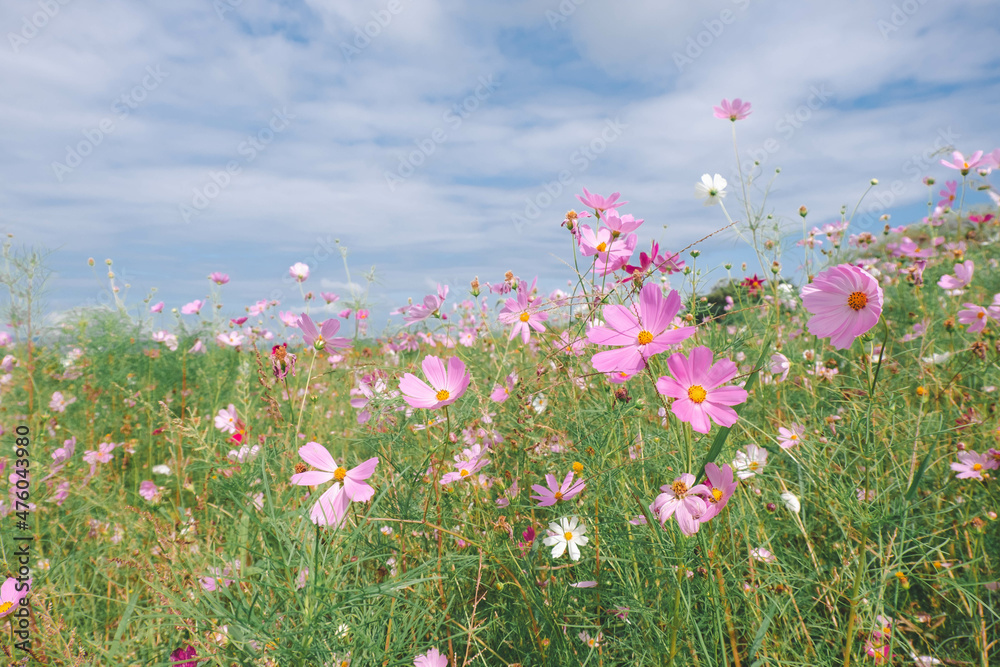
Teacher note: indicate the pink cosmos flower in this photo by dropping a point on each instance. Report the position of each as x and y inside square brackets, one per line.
[763, 555]
[640, 331]
[964, 164]
[620, 224]
[198, 348]
[230, 339]
[103, 454]
[329, 297]
[220, 577]
[148, 490]
[59, 403]
[975, 316]
[523, 314]
[948, 194]
[282, 361]
[698, 391]
[599, 203]
[288, 318]
[501, 392]
[192, 308]
[467, 463]
[323, 336]
[789, 437]
[654, 260]
[971, 464]
[331, 508]
[63, 454]
[721, 484]
[11, 593]
[961, 279]
[226, 419]
[431, 307]
[845, 302]
[556, 492]
[734, 111]
[780, 364]
[432, 658]
[299, 271]
[446, 386]
[219, 278]
[156, 307]
[684, 499]
[165, 337]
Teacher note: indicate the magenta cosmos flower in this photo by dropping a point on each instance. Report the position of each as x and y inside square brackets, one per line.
[698, 392]
[219, 278]
[845, 302]
[599, 203]
[322, 336]
[721, 484]
[446, 384]
[349, 485]
[734, 111]
[641, 330]
[682, 499]
[962, 163]
[523, 314]
[556, 492]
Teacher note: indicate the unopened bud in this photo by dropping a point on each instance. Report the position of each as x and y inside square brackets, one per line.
[874, 181]
[928, 181]
[475, 286]
[803, 211]
[90, 261]
[695, 253]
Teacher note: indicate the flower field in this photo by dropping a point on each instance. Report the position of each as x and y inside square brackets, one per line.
[793, 466]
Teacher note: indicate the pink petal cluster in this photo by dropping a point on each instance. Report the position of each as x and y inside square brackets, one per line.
[639, 331]
[698, 391]
[348, 485]
[599, 203]
[961, 279]
[734, 111]
[429, 308]
[447, 384]
[555, 491]
[684, 500]
[322, 336]
[845, 302]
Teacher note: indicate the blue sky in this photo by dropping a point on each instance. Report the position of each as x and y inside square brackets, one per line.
[245, 135]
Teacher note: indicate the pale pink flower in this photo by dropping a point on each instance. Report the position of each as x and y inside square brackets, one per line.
[640, 330]
[683, 499]
[432, 658]
[329, 297]
[734, 111]
[322, 336]
[198, 348]
[962, 163]
[299, 271]
[501, 392]
[789, 437]
[59, 403]
[226, 419]
[698, 390]
[219, 278]
[192, 308]
[230, 339]
[599, 203]
[446, 384]
[331, 508]
[721, 484]
[288, 318]
[156, 307]
[167, 338]
[961, 279]
[750, 461]
[555, 491]
[149, 490]
[11, 593]
[971, 464]
[465, 466]
[763, 555]
[431, 307]
[780, 365]
[523, 314]
[845, 302]
[975, 316]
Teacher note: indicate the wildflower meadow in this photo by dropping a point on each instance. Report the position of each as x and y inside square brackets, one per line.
[655, 462]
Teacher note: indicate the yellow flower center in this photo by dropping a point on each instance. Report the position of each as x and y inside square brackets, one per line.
[602, 246]
[558, 495]
[464, 473]
[339, 474]
[753, 465]
[645, 337]
[697, 393]
[717, 494]
[525, 316]
[568, 535]
[857, 300]
[5, 606]
[679, 488]
[577, 467]
[977, 466]
[442, 395]
[793, 437]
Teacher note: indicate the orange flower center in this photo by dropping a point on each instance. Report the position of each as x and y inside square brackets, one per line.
[679, 488]
[525, 316]
[697, 393]
[464, 473]
[602, 246]
[977, 466]
[442, 395]
[753, 465]
[339, 474]
[980, 315]
[645, 337]
[857, 300]
[558, 495]
[717, 494]
[5, 606]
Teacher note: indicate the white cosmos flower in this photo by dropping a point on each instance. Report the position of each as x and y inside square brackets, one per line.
[711, 189]
[791, 501]
[567, 533]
